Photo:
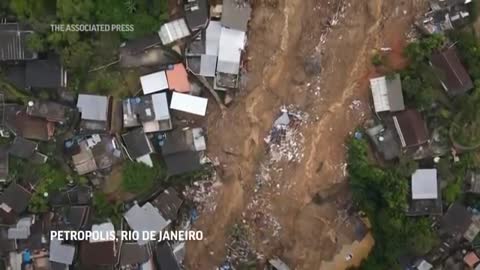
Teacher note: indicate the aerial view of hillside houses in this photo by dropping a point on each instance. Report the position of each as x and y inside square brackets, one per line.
[423, 184]
[110, 146]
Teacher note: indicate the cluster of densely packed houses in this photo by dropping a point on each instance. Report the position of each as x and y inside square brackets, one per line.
[404, 131]
[93, 133]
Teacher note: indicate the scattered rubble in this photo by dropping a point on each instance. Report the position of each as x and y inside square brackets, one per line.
[355, 105]
[239, 249]
[203, 193]
[285, 141]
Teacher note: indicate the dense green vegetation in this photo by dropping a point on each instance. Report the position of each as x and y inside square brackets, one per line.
[382, 191]
[420, 84]
[138, 177]
[106, 209]
[82, 51]
[382, 194]
[465, 129]
[51, 179]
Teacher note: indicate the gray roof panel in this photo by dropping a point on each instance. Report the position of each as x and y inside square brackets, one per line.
[208, 64]
[395, 95]
[93, 107]
[235, 15]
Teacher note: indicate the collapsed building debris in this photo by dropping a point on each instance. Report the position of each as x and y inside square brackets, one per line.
[285, 141]
[239, 249]
[203, 193]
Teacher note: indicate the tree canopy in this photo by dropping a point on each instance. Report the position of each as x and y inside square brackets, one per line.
[382, 194]
[51, 179]
[80, 51]
[138, 177]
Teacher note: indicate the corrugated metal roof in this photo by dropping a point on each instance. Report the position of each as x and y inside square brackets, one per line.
[173, 31]
[208, 65]
[13, 43]
[387, 94]
[160, 106]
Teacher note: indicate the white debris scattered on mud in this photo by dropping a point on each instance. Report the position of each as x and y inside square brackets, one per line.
[413, 35]
[259, 210]
[355, 105]
[285, 145]
[239, 248]
[333, 21]
[285, 142]
[203, 193]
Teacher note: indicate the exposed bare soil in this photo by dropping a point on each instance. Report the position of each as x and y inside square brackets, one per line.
[286, 38]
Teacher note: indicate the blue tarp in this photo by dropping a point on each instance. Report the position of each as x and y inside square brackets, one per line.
[27, 256]
[193, 215]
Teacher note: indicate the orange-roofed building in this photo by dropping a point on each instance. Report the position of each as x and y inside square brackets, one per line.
[178, 79]
[471, 259]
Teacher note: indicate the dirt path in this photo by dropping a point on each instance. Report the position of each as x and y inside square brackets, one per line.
[286, 38]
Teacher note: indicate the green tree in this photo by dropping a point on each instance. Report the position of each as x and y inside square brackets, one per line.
[78, 57]
[138, 177]
[377, 59]
[51, 179]
[452, 191]
[419, 51]
[36, 43]
[32, 8]
[382, 193]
